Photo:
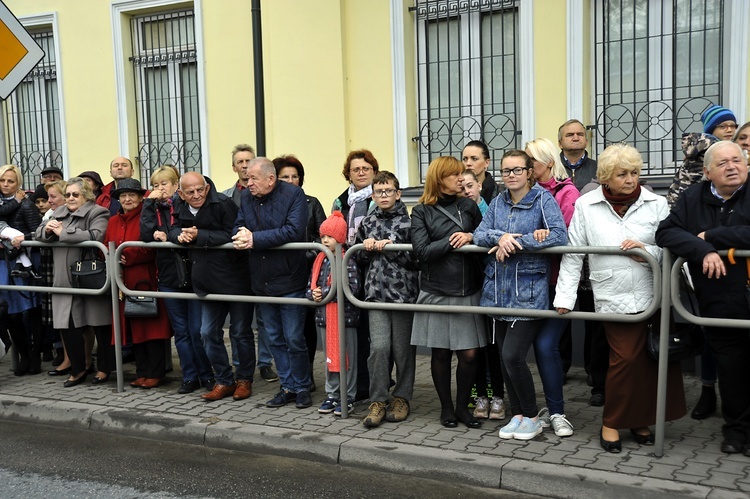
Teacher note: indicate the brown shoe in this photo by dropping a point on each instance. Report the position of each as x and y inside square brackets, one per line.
[149, 383]
[137, 383]
[244, 390]
[219, 392]
[397, 410]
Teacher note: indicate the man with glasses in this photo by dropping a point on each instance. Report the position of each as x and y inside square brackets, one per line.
[708, 217]
[275, 213]
[205, 218]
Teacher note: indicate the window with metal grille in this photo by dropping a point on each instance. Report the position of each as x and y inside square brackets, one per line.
[468, 76]
[166, 88]
[658, 67]
[32, 117]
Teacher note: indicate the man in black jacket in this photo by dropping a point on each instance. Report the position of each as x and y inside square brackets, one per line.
[206, 219]
[710, 216]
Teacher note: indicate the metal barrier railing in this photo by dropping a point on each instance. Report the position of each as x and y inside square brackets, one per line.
[665, 291]
[116, 253]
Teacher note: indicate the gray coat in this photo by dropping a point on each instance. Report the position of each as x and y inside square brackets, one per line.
[83, 310]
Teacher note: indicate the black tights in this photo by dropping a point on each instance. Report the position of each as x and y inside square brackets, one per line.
[441, 376]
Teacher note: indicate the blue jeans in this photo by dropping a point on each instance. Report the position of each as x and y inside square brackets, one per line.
[285, 325]
[185, 318]
[264, 349]
[240, 332]
[549, 362]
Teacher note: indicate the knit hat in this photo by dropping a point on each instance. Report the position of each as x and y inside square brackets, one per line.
[715, 115]
[39, 193]
[335, 227]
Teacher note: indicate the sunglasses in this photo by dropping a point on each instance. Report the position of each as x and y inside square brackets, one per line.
[74, 194]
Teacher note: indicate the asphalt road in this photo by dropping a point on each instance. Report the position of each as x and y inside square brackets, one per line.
[43, 461]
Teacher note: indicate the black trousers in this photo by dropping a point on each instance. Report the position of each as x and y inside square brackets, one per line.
[596, 348]
[105, 353]
[731, 348]
[150, 359]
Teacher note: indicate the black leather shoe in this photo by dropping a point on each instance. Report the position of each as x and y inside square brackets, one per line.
[597, 400]
[59, 372]
[746, 450]
[613, 447]
[449, 422]
[188, 387]
[643, 439]
[706, 406]
[98, 381]
[732, 447]
[303, 400]
[469, 420]
[74, 382]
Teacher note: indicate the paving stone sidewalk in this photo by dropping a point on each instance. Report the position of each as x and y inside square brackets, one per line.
[692, 465]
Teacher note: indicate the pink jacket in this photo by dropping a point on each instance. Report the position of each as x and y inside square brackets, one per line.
[565, 193]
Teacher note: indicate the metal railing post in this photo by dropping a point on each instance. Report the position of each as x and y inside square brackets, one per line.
[342, 282]
[661, 384]
[112, 268]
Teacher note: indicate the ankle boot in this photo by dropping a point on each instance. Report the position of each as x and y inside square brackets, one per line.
[706, 406]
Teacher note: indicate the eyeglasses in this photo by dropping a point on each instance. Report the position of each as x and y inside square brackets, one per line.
[361, 169]
[384, 193]
[74, 194]
[730, 126]
[515, 171]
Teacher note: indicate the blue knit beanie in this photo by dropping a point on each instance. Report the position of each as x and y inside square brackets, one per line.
[715, 115]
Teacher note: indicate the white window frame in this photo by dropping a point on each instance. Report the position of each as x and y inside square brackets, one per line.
[136, 7]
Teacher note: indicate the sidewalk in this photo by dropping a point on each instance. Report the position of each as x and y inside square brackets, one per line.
[692, 465]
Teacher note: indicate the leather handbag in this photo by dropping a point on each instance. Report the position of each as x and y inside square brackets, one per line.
[685, 339]
[89, 272]
[141, 306]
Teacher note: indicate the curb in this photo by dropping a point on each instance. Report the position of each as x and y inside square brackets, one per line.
[549, 480]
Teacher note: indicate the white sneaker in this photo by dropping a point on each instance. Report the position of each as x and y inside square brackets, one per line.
[528, 429]
[497, 409]
[509, 429]
[561, 425]
[543, 417]
[482, 407]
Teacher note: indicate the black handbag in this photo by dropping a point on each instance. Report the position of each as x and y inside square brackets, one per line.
[90, 272]
[11, 252]
[685, 339]
[141, 306]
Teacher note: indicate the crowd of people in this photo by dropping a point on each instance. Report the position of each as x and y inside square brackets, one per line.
[548, 196]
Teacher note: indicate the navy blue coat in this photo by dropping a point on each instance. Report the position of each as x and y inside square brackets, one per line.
[276, 218]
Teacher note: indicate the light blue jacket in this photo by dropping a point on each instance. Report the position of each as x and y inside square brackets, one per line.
[522, 280]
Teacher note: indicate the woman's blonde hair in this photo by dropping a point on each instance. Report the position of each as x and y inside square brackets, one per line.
[615, 156]
[544, 151]
[166, 172]
[58, 185]
[16, 170]
[440, 168]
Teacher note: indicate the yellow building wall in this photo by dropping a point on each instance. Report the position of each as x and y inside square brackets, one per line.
[550, 86]
[328, 86]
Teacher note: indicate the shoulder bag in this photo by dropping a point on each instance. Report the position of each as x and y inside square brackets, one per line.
[90, 272]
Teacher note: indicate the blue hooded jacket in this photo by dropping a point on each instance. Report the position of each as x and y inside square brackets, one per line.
[522, 280]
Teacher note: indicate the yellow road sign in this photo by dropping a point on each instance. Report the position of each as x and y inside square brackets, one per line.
[19, 53]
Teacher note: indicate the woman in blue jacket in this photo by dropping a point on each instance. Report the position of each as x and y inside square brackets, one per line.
[523, 217]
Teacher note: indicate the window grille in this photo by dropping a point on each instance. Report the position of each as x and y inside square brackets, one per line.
[166, 88]
[658, 67]
[32, 117]
[468, 76]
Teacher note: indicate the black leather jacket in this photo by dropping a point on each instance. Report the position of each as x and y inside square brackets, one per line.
[444, 272]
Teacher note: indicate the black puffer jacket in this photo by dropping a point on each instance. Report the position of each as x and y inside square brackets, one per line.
[444, 272]
[24, 216]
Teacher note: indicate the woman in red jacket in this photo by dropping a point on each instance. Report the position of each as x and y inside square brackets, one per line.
[138, 272]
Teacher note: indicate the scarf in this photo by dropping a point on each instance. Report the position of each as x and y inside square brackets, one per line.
[359, 204]
[621, 204]
[333, 363]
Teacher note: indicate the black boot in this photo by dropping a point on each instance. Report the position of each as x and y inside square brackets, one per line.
[706, 406]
